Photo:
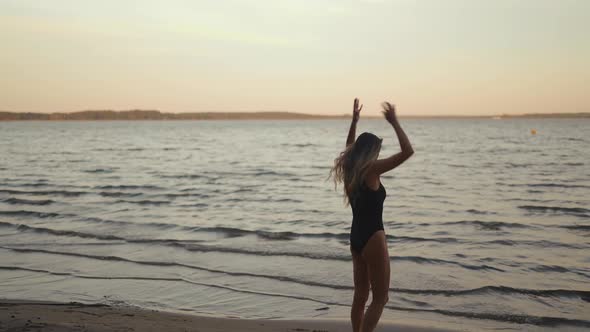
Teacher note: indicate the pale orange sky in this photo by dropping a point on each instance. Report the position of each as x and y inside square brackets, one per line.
[429, 57]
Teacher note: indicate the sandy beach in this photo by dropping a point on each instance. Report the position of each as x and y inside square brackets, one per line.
[53, 317]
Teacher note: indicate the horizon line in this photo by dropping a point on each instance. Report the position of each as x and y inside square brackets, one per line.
[301, 113]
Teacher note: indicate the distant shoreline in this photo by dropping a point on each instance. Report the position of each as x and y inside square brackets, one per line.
[152, 115]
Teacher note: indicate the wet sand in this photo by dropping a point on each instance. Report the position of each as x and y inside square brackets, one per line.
[54, 317]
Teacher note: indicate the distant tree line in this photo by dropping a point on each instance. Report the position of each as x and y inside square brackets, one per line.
[157, 115]
[99, 115]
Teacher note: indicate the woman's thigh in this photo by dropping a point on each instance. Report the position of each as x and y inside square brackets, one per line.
[360, 273]
[376, 258]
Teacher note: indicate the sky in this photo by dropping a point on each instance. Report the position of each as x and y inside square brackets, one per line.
[429, 57]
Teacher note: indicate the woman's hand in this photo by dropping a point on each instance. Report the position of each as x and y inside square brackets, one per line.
[389, 112]
[356, 110]
[381, 166]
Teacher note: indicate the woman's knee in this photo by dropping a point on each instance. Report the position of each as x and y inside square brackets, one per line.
[380, 298]
[361, 295]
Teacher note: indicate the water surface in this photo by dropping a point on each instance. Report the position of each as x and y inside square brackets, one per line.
[488, 225]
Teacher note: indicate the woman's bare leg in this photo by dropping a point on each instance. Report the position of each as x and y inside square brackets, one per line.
[376, 257]
[361, 290]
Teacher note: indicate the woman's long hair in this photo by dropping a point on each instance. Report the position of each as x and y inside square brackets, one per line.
[351, 166]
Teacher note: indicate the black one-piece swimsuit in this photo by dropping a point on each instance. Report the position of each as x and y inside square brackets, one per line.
[367, 216]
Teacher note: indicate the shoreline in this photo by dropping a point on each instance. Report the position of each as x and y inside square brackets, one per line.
[46, 316]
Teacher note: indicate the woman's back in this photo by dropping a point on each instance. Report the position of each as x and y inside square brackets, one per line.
[367, 212]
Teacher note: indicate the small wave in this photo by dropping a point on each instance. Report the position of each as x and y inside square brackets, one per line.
[528, 199]
[255, 275]
[185, 194]
[557, 185]
[488, 225]
[320, 167]
[99, 170]
[241, 190]
[324, 256]
[542, 185]
[196, 247]
[424, 260]
[285, 200]
[118, 194]
[228, 231]
[288, 235]
[502, 290]
[26, 228]
[567, 293]
[24, 213]
[272, 173]
[436, 183]
[508, 318]
[161, 263]
[327, 235]
[472, 211]
[29, 184]
[233, 232]
[268, 199]
[303, 145]
[402, 238]
[457, 165]
[580, 212]
[44, 192]
[17, 201]
[248, 173]
[157, 225]
[540, 244]
[557, 268]
[195, 205]
[311, 211]
[275, 236]
[128, 187]
[297, 297]
[268, 234]
[516, 165]
[430, 196]
[576, 227]
[182, 176]
[143, 202]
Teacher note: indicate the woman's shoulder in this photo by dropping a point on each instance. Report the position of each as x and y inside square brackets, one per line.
[372, 183]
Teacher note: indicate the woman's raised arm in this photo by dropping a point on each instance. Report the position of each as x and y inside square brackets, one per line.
[356, 110]
[384, 165]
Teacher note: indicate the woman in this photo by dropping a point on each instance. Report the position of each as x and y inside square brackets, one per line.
[359, 170]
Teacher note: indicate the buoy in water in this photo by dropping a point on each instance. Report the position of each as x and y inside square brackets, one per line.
[533, 131]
